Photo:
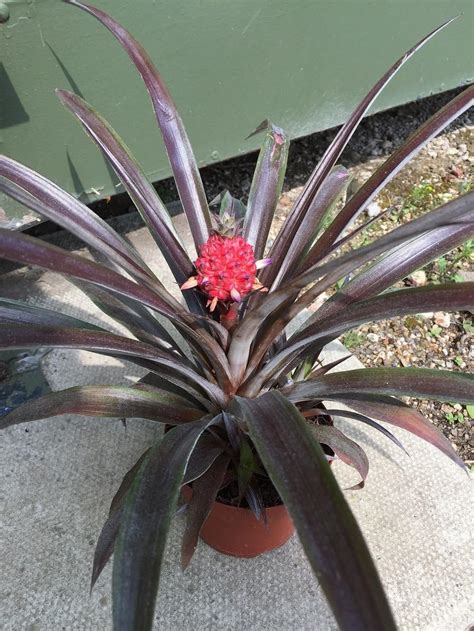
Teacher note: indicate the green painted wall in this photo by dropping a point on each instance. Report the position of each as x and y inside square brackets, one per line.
[229, 64]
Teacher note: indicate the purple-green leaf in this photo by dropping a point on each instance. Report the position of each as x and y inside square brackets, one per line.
[246, 466]
[390, 410]
[326, 527]
[106, 541]
[13, 336]
[346, 449]
[152, 382]
[17, 312]
[21, 248]
[105, 544]
[424, 383]
[205, 490]
[367, 421]
[397, 264]
[447, 225]
[48, 199]
[454, 220]
[447, 297]
[129, 313]
[148, 509]
[442, 297]
[142, 193]
[24, 249]
[266, 187]
[319, 208]
[180, 154]
[207, 449]
[104, 402]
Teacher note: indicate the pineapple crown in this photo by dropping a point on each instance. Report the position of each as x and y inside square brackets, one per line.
[226, 268]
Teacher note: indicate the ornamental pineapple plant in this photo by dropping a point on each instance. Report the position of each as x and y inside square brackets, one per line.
[238, 393]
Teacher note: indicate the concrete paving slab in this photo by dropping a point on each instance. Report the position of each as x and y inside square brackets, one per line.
[58, 476]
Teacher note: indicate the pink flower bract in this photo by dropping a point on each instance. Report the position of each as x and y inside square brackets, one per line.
[226, 270]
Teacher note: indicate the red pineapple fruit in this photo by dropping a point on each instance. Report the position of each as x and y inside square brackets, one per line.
[226, 270]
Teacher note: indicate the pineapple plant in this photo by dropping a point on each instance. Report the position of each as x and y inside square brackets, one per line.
[243, 401]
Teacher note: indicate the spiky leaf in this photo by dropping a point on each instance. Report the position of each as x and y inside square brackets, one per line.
[334, 545]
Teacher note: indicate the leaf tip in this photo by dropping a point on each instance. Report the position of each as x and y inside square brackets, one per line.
[186, 557]
[264, 125]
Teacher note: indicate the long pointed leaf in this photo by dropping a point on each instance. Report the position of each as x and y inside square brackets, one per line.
[207, 449]
[456, 216]
[326, 527]
[129, 313]
[18, 312]
[205, 490]
[329, 159]
[53, 203]
[448, 297]
[443, 297]
[397, 264]
[152, 382]
[105, 544]
[106, 541]
[103, 402]
[320, 206]
[348, 451]
[442, 385]
[367, 421]
[142, 193]
[21, 248]
[393, 411]
[180, 154]
[454, 220]
[13, 336]
[389, 170]
[148, 510]
[266, 187]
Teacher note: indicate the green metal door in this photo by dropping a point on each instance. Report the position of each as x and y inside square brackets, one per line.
[229, 64]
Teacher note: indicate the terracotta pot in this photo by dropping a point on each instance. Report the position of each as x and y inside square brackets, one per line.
[237, 532]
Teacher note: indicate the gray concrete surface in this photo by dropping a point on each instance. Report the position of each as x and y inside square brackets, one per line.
[57, 479]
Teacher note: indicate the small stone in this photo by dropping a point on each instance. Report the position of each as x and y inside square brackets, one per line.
[373, 210]
[373, 337]
[466, 276]
[418, 278]
[457, 406]
[428, 315]
[442, 319]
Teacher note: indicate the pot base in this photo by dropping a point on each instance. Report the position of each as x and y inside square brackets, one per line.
[237, 532]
